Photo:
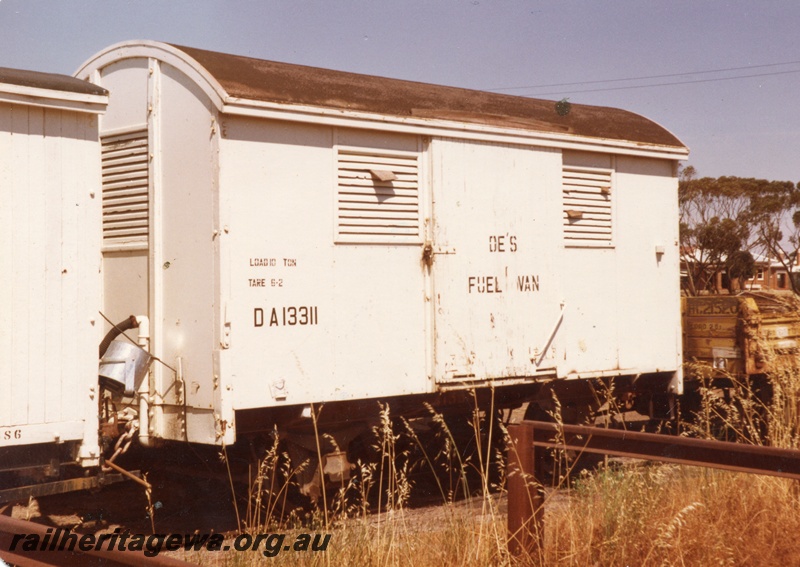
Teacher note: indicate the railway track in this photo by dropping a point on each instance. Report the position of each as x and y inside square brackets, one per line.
[14, 553]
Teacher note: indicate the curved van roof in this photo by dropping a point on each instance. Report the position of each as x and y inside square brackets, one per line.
[237, 79]
[248, 78]
[18, 86]
[50, 81]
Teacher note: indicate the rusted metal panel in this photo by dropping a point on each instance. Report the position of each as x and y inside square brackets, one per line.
[716, 327]
[749, 328]
[780, 330]
[717, 306]
[702, 345]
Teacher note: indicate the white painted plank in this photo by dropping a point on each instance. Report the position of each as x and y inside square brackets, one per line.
[70, 282]
[53, 302]
[88, 278]
[20, 255]
[37, 267]
[6, 253]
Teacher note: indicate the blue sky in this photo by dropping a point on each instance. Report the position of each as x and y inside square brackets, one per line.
[734, 125]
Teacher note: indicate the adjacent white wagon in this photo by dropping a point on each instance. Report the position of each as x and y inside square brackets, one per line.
[50, 269]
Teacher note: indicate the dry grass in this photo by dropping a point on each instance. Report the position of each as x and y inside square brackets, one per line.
[623, 513]
[664, 515]
[457, 536]
[669, 515]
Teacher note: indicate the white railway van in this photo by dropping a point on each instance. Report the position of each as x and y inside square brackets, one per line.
[299, 236]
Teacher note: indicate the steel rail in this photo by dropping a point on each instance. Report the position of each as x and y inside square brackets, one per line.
[23, 493]
[10, 527]
[525, 499]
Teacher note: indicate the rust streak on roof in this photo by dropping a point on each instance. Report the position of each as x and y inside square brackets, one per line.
[50, 81]
[260, 80]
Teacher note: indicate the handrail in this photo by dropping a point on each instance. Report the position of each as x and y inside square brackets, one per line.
[525, 499]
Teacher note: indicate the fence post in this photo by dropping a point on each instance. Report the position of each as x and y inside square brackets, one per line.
[525, 496]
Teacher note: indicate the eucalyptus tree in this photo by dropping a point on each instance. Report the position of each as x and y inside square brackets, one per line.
[725, 219]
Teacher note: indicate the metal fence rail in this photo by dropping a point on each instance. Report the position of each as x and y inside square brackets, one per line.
[525, 497]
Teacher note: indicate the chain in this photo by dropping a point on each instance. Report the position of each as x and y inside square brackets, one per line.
[123, 442]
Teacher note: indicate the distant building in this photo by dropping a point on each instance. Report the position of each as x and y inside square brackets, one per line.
[770, 274]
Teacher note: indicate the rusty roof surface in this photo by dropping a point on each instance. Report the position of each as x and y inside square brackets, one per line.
[51, 81]
[261, 80]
